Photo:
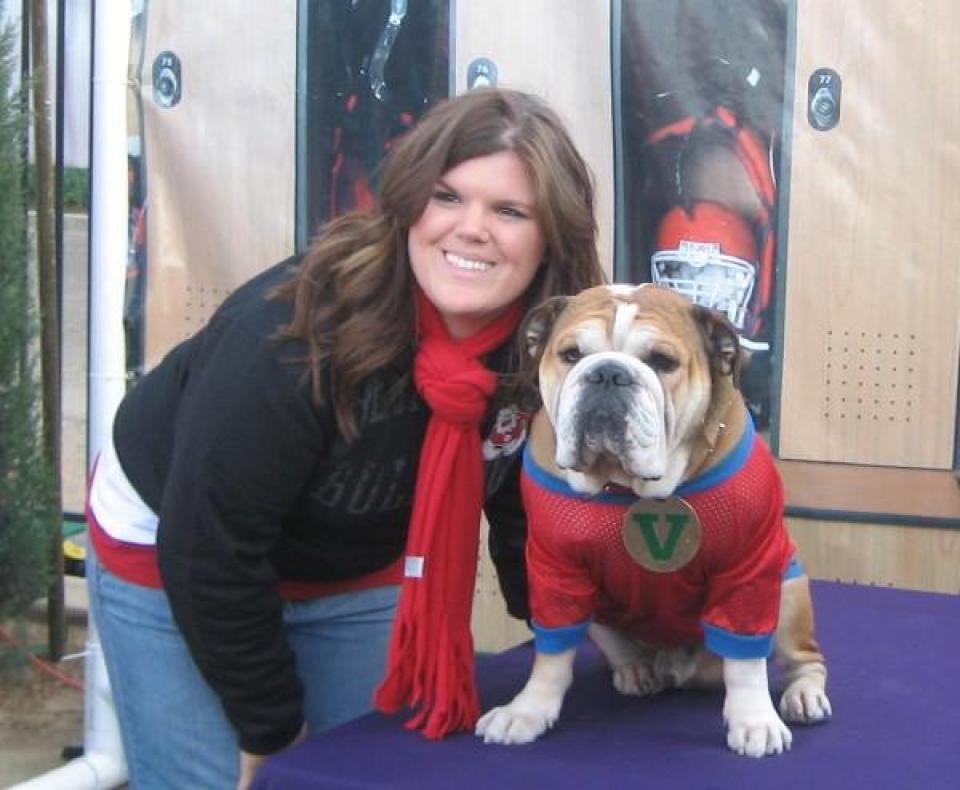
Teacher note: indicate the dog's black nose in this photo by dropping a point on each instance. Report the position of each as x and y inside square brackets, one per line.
[609, 374]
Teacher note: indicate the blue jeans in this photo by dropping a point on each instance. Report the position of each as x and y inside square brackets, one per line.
[174, 730]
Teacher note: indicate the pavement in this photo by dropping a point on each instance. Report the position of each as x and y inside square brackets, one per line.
[74, 363]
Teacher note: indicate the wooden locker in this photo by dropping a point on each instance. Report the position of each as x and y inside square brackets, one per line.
[871, 331]
[220, 162]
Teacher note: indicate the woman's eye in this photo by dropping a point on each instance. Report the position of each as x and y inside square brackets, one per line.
[663, 363]
[571, 355]
[511, 211]
[445, 196]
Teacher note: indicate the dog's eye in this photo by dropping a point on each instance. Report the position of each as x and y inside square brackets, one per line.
[662, 363]
[571, 355]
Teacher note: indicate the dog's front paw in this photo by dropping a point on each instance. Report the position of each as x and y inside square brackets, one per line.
[522, 721]
[753, 727]
[805, 701]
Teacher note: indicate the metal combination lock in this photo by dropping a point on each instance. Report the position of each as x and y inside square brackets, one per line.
[481, 73]
[823, 99]
[166, 79]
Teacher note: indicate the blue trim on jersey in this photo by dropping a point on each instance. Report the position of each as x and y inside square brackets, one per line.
[794, 570]
[558, 640]
[723, 471]
[558, 485]
[726, 469]
[730, 645]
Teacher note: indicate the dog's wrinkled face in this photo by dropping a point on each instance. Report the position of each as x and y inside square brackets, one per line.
[627, 376]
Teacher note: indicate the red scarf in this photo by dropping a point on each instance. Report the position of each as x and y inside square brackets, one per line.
[430, 665]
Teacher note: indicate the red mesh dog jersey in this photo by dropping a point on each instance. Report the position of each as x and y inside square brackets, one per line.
[727, 595]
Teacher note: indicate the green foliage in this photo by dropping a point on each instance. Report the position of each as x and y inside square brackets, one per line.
[76, 188]
[27, 486]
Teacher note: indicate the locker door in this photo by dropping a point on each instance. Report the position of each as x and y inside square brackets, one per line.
[219, 161]
[871, 332]
[559, 49]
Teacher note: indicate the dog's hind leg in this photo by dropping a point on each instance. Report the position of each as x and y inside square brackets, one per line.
[690, 667]
[631, 661]
[804, 699]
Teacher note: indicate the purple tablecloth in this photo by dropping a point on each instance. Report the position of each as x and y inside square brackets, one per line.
[894, 683]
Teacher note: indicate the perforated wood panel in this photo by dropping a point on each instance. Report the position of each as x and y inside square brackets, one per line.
[870, 379]
[220, 163]
[493, 629]
[199, 303]
[871, 332]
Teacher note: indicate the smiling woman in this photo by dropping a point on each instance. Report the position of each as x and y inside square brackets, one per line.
[478, 244]
[274, 481]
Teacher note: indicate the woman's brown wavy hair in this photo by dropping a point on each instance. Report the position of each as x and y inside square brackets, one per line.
[354, 292]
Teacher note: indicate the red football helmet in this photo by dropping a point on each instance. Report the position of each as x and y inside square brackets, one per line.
[708, 253]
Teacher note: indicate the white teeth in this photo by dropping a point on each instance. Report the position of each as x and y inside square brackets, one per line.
[466, 263]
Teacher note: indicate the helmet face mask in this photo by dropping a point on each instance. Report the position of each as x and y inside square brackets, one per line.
[708, 254]
[723, 282]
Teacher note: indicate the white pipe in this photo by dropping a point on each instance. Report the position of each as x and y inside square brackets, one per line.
[101, 731]
[103, 764]
[95, 770]
[109, 211]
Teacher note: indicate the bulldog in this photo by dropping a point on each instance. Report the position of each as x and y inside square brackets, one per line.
[656, 521]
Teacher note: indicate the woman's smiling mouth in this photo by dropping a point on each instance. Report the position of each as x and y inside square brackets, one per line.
[459, 262]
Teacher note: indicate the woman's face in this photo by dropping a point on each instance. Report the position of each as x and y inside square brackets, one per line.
[479, 243]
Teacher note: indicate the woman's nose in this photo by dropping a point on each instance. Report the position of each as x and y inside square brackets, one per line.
[473, 224]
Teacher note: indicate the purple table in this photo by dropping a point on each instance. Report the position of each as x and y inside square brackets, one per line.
[894, 684]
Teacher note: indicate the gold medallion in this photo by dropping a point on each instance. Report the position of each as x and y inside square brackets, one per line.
[662, 535]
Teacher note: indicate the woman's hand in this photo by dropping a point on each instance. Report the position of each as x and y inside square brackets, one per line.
[250, 763]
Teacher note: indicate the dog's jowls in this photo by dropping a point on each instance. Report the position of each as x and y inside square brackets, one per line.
[656, 521]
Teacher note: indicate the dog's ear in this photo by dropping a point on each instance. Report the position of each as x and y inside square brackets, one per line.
[531, 341]
[721, 341]
[538, 324]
